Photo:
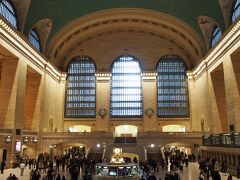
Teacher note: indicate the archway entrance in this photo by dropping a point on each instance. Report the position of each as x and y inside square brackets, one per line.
[126, 131]
[177, 146]
[173, 128]
[80, 128]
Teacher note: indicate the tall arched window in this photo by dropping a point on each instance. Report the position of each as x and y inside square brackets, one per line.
[8, 12]
[172, 89]
[34, 39]
[126, 88]
[235, 10]
[81, 89]
[216, 35]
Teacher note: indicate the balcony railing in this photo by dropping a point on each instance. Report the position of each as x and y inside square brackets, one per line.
[6, 131]
[125, 140]
[29, 133]
[110, 135]
[83, 135]
[155, 134]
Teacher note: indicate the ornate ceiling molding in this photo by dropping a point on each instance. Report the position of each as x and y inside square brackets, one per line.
[160, 25]
[43, 28]
[207, 24]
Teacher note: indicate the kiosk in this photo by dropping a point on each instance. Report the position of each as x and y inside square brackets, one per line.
[117, 168]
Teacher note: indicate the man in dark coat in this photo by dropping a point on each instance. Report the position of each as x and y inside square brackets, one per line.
[2, 166]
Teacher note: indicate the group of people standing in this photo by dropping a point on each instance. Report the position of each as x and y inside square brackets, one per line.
[176, 160]
[211, 168]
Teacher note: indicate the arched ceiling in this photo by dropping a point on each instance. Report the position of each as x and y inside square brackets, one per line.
[63, 12]
[148, 28]
[147, 34]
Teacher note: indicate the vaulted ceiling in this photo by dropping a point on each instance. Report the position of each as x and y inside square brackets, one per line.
[63, 12]
[67, 37]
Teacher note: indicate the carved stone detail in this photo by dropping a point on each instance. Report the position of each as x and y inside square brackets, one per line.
[206, 25]
[43, 27]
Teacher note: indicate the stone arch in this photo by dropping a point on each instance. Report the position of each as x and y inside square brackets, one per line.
[179, 144]
[109, 29]
[126, 129]
[173, 128]
[80, 128]
[43, 28]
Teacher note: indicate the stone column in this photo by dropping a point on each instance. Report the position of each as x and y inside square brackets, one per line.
[220, 158]
[232, 95]
[41, 123]
[20, 85]
[228, 159]
[193, 107]
[149, 101]
[103, 101]
[236, 159]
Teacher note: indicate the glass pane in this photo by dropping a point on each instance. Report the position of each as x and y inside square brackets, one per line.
[235, 10]
[216, 35]
[81, 89]
[7, 11]
[34, 40]
[172, 100]
[126, 88]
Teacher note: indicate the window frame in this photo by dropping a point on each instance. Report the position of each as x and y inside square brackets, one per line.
[14, 13]
[163, 58]
[77, 58]
[215, 32]
[141, 90]
[234, 10]
[36, 38]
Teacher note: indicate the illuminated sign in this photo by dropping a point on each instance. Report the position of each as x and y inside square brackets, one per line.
[18, 146]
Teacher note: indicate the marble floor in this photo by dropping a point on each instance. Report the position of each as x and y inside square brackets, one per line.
[190, 173]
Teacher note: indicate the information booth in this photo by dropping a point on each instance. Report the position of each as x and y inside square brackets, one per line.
[117, 168]
[122, 171]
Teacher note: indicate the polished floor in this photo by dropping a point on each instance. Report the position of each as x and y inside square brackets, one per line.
[190, 173]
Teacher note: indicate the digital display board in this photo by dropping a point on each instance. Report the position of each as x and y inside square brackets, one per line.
[227, 139]
[222, 140]
[216, 140]
[237, 139]
[206, 141]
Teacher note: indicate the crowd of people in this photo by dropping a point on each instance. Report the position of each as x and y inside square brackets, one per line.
[46, 167]
[74, 161]
[176, 159]
[211, 168]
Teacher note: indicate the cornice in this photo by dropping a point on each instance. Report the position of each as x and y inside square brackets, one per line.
[17, 42]
[229, 39]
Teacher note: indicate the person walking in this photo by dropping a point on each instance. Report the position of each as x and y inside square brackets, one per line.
[229, 177]
[9, 177]
[2, 166]
[58, 177]
[14, 177]
[238, 171]
[22, 167]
